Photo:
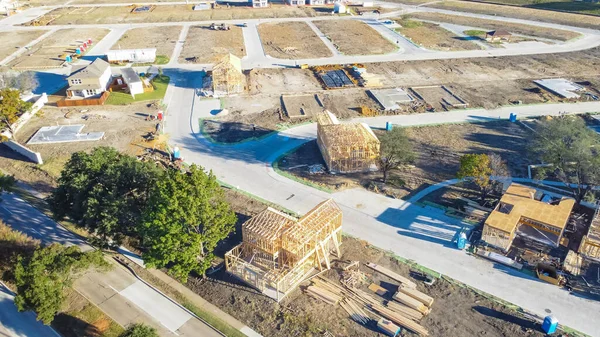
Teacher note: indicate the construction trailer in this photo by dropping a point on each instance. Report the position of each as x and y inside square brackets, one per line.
[519, 212]
[346, 148]
[227, 76]
[590, 244]
[259, 3]
[279, 251]
[147, 55]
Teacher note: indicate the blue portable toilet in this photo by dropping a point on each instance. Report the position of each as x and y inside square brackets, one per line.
[78, 51]
[388, 126]
[513, 117]
[69, 58]
[461, 243]
[550, 324]
[176, 153]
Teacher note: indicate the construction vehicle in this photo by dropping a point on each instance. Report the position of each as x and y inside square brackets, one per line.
[219, 27]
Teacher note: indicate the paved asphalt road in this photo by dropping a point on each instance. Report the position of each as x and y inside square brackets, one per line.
[424, 235]
[118, 293]
[19, 324]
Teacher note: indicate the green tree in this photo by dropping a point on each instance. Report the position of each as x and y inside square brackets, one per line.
[476, 167]
[186, 217]
[572, 150]
[140, 330]
[396, 150]
[11, 107]
[105, 192]
[6, 183]
[42, 278]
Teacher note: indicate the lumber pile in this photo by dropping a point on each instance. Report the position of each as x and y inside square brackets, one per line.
[388, 327]
[323, 295]
[355, 311]
[417, 295]
[401, 320]
[411, 302]
[413, 314]
[377, 289]
[403, 280]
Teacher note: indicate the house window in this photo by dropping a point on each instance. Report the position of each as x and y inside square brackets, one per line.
[76, 81]
[90, 92]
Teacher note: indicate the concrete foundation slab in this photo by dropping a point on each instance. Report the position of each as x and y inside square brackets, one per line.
[561, 87]
[63, 134]
[390, 99]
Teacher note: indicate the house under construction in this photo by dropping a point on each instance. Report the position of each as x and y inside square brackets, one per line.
[227, 76]
[346, 148]
[590, 244]
[279, 251]
[520, 213]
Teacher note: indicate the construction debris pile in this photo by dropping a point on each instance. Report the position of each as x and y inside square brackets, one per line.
[405, 308]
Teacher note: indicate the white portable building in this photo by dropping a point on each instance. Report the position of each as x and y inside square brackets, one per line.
[131, 55]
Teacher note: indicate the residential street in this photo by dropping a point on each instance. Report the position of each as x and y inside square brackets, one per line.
[424, 235]
[118, 293]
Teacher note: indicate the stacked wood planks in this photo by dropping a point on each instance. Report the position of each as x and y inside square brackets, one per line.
[355, 311]
[388, 327]
[403, 280]
[413, 314]
[417, 295]
[401, 320]
[411, 303]
[377, 289]
[323, 295]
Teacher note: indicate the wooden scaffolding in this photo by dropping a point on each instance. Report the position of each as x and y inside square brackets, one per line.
[346, 148]
[519, 210]
[279, 251]
[227, 75]
[590, 244]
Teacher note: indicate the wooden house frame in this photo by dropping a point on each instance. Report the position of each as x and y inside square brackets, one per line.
[518, 208]
[227, 75]
[279, 251]
[346, 148]
[590, 244]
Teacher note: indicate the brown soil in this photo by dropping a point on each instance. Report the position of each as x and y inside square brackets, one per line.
[236, 127]
[291, 40]
[350, 37]
[12, 41]
[432, 36]
[282, 81]
[457, 311]
[124, 127]
[204, 45]
[568, 19]
[438, 150]
[161, 38]
[515, 28]
[48, 53]
[168, 13]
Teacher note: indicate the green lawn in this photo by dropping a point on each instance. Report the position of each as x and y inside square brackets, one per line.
[474, 32]
[160, 84]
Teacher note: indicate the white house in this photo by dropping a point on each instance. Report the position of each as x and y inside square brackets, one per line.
[131, 55]
[91, 80]
[339, 7]
[133, 81]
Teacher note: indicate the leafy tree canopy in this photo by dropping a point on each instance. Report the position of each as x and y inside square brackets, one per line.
[11, 107]
[140, 330]
[572, 150]
[186, 217]
[477, 168]
[104, 191]
[396, 150]
[6, 183]
[42, 278]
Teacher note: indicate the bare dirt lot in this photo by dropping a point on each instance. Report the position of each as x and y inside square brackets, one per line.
[167, 13]
[567, 19]
[12, 41]
[124, 127]
[297, 106]
[291, 40]
[237, 127]
[438, 150]
[204, 45]
[161, 38]
[282, 81]
[350, 36]
[48, 52]
[457, 311]
[432, 36]
[441, 98]
[515, 28]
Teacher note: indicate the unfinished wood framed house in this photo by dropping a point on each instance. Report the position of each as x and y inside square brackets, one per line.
[519, 213]
[346, 148]
[279, 251]
[227, 76]
[590, 244]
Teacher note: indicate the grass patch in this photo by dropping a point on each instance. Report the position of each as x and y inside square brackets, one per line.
[474, 32]
[160, 84]
[162, 59]
[217, 323]
[409, 23]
